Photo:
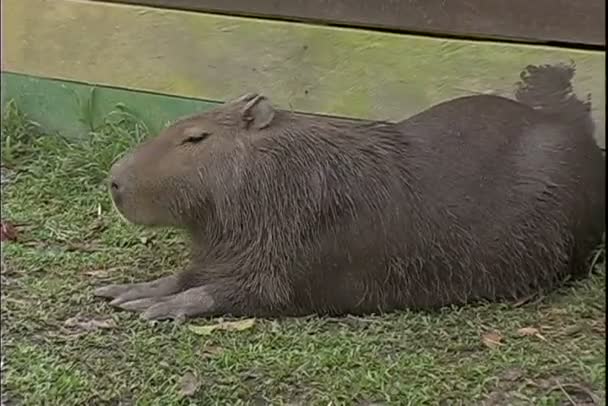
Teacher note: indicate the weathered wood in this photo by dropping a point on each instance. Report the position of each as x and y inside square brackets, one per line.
[339, 71]
[530, 20]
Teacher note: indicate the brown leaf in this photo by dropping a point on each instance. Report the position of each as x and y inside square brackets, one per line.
[188, 384]
[83, 324]
[8, 232]
[491, 339]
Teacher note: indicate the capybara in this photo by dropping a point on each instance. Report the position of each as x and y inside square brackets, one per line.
[476, 198]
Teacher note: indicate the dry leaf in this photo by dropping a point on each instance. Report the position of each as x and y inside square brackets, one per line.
[527, 331]
[238, 325]
[188, 384]
[211, 351]
[101, 273]
[76, 246]
[530, 331]
[89, 324]
[8, 232]
[491, 339]
[511, 374]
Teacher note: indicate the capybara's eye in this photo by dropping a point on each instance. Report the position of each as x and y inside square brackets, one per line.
[193, 139]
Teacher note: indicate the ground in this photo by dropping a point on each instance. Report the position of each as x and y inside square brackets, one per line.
[62, 346]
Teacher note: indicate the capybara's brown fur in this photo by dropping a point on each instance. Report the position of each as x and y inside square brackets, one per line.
[479, 197]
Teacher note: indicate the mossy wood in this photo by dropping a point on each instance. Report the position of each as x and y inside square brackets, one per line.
[319, 69]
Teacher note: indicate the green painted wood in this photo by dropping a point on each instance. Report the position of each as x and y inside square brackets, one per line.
[73, 108]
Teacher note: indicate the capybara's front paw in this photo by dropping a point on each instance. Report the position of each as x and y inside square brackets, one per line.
[190, 303]
[127, 292]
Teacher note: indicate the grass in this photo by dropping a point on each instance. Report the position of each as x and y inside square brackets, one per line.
[61, 346]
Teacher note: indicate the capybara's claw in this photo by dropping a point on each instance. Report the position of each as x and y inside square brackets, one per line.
[139, 305]
[110, 291]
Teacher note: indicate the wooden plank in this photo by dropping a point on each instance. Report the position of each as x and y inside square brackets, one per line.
[58, 106]
[338, 71]
[568, 21]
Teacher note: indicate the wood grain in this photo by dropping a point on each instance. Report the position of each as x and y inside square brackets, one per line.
[316, 69]
[582, 22]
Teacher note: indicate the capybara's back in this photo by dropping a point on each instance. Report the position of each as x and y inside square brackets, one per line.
[514, 191]
[480, 197]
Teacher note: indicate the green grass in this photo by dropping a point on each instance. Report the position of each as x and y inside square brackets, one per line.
[70, 241]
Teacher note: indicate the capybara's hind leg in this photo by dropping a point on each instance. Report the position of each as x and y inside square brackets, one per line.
[121, 293]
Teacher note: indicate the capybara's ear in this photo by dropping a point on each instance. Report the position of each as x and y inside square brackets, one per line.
[257, 113]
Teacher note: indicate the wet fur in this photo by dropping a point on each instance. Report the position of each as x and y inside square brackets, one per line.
[479, 197]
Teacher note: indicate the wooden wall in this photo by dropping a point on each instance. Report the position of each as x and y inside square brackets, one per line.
[567, 21]
[193, 53]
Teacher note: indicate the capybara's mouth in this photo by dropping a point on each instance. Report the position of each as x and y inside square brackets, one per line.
[117, 204]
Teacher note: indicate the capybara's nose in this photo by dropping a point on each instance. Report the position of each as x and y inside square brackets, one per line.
[116, 178]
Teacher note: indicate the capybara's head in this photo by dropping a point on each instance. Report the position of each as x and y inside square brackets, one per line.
[171, 178]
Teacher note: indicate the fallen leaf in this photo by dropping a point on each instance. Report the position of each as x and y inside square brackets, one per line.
[8, 232]
[527, 331]
[238, 325]
[511, 374]
[211, 350]
[491, 339]
[89, 324]
[530, 331]
[188, 384]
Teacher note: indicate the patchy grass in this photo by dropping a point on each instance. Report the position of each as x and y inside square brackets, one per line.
[61, 346]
